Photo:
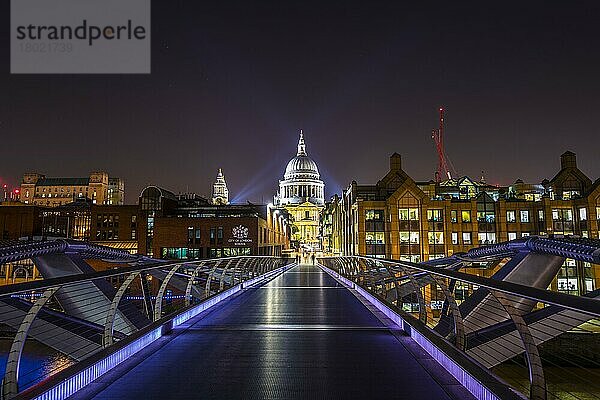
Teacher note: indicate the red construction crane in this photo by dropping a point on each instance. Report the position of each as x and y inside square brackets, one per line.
[445, 167]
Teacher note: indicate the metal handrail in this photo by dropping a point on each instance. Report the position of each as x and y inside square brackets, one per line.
[505, 302]
[148, 265]
[576, 303]
[54, 286]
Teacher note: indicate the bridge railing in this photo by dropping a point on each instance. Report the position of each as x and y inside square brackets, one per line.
[52, 329]
[544, 344]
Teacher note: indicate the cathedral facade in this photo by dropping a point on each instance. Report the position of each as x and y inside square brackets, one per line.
[302, 195]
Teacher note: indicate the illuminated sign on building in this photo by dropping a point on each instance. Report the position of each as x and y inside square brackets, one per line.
[240, 236]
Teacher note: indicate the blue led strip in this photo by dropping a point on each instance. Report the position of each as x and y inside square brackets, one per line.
[473, 385]
[71, 385]
[86, 376]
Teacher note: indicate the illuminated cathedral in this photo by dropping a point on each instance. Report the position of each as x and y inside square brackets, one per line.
[302, 194]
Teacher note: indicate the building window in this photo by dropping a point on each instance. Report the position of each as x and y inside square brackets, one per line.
[466, 216]
[434, 215]
[375, 233]
[453, 216]
[570, 194]
[436, 237]
[213, 235]
[524, 216]
[220, 235]
[190, 234]
[486, 238]
[567, 277]
[589, 276]
[375, 238]
[409, 214]
[236, 251]
[181, 253]
[466, 237]
[409, 237]
[541, 215]
[511, 216]
[562, 221]
[583, 214]
[525, 234]
[415, 258]
[454, 237]
[512, 235]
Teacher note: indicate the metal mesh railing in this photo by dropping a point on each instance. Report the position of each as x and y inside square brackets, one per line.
[545, 344]
[48, 325]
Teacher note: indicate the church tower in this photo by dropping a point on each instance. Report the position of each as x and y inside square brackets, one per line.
[220, 195]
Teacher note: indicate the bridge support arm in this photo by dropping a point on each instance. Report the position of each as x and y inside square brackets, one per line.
[109, 323]
[537, 380]
[161, 292]
[10, 384]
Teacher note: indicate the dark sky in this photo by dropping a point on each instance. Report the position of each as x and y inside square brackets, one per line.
[233, 82]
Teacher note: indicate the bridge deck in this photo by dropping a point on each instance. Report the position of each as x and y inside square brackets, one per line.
[302, 335]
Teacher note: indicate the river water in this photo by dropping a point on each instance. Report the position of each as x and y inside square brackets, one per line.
[38, 362]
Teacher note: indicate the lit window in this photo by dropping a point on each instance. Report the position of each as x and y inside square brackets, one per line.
[562, 214]
[512, 235]
[409, 214]
[454, 237]
[436, 237]
[409, 237]
[524, 216]
[453, 216]
[466, 216]
[486, 237]
[511, 216]
[466, 237]
[583, 214]
[434, 215]
[375, 238]
[374, 215]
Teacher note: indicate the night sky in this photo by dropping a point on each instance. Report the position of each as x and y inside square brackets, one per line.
[233, 82]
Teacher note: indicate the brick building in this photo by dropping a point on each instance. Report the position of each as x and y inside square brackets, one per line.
[98, 187]
[188, 227]
[399, 218]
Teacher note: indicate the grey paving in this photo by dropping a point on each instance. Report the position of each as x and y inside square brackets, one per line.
[302, 336]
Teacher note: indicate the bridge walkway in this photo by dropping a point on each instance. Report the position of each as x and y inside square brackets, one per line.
[301, 336]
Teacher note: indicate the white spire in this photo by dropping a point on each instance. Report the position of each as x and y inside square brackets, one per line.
[220, 191]
[301, 145]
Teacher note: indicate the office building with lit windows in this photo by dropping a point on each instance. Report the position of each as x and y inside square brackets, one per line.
[98, 187]
[399, 218]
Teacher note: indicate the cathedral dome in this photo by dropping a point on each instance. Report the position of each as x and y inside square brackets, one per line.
[301, 165]
[301, 180]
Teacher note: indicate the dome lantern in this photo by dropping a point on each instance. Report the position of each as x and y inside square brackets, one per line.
[301, 145]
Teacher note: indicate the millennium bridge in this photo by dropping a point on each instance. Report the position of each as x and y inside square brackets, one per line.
[272, 328]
